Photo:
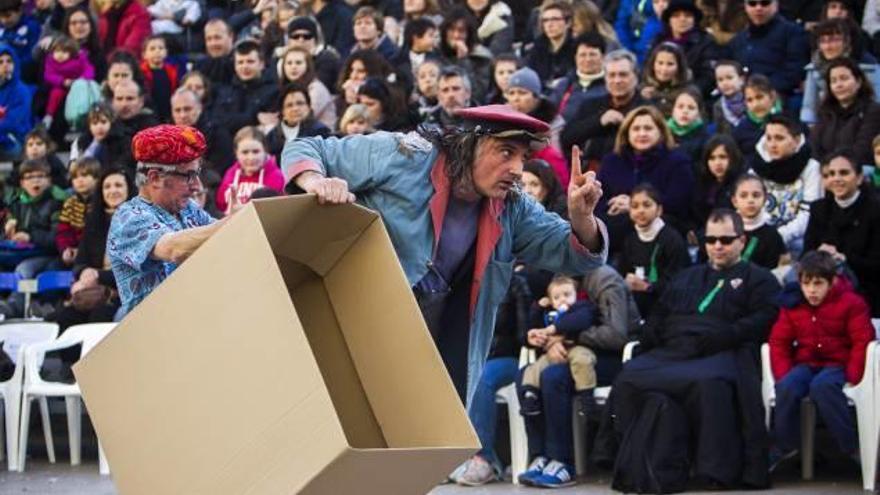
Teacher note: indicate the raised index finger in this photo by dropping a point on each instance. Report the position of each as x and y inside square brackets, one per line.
[575, 163]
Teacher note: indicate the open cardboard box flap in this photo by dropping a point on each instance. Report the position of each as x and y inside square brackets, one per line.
[287, 355]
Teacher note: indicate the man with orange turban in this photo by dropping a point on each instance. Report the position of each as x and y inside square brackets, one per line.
[152, 233]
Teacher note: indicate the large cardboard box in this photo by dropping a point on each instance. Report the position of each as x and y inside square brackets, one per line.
[287, 355]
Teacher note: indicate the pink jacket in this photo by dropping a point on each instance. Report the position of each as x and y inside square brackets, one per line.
[244, 185]
[74, 68]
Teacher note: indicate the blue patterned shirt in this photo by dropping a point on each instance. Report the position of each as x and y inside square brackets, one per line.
[134, 231]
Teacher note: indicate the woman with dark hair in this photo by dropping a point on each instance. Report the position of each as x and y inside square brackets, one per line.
[298, 65]
[386, 106]
[681, 26]
[359, 66]
[502, 67]
[665, 74]
[846, 224]
[540, 182]
[496, 24]
[121, 65]
[832, 40]
[296, 120]
[94, 298]
[82, 28]
[721, 165]
[459, 46]
[848, 114]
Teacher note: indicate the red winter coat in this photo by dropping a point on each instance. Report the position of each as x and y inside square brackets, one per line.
[134, 28]
[835, 333]
[169, 69]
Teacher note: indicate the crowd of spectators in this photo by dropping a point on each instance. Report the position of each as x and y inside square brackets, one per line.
[765, 109]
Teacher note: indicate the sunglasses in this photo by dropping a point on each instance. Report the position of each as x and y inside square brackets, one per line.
[725, 240]
[762, 3]
[302, 36]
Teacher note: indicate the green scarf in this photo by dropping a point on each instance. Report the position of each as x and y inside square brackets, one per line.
[680, 130]
[777, 108]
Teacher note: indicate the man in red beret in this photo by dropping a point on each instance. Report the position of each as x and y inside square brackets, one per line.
[160, 227]
[451, 201]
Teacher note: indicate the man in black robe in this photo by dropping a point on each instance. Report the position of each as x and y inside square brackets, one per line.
[700, 348]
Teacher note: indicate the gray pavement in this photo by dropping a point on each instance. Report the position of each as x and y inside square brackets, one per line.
[43, 478]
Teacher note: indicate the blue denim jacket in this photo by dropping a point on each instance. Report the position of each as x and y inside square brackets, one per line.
[402, 177]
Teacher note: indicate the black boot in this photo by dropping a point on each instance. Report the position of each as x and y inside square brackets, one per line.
[588, 407]
[530, 401]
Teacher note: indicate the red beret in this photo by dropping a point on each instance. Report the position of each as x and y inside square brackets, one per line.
[168, 144]
[501, 119]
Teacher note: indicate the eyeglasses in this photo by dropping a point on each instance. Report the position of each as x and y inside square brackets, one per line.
[191, 176]
[545, 20]
[725, 240]
[762, 3]
[302, 36]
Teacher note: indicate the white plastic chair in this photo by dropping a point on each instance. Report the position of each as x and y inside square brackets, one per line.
[36, 388]
[863, 396]
[14, 336]
[519, 448]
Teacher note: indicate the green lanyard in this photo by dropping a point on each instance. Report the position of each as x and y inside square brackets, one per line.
[653, 276]
[710, 297]
[750, 249]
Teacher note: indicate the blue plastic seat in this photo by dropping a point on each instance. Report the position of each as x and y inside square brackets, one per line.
[9, 281]
[52, 281]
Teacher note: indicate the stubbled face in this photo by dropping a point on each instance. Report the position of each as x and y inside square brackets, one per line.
[562, 296]
[761, 12]
[643, 210]
[114, 190]
[686, 110]
[249, 66]
[749, 198]
[665, 67]
[532, 186]
[503, 71]
[185, 109]
[175, 191]
[728, 246]
[840, 178]
[218, 40]
[251, 154]
[452, 94]
[779, 142]
[127, 100]
[759, 102]
[620, 79]
[815, 289]
[718, 163]
[729, 82]
[498, 166]
[643, 133]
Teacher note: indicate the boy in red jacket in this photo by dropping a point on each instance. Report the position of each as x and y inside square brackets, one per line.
[816, 347]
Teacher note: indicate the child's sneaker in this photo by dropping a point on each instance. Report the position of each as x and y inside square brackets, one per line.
[536, 468]
[556, 475]
[530, 401]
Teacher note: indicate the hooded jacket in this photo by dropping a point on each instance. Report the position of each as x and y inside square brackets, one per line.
[15, 102]
[834, 333]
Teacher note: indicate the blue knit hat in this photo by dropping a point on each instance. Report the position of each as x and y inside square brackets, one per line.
[527, 79]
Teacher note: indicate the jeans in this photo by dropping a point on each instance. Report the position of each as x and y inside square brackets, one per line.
[550, 433]
[483, 412]
[824, 386]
